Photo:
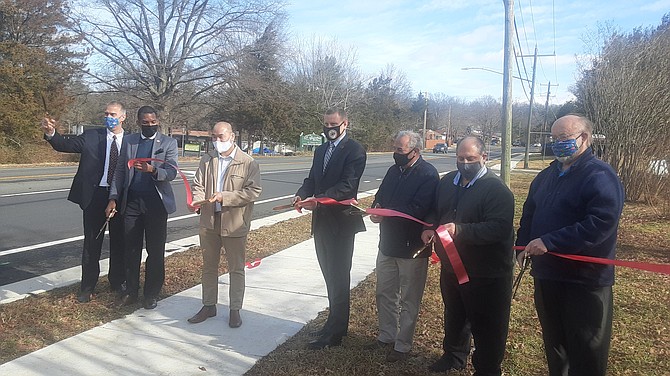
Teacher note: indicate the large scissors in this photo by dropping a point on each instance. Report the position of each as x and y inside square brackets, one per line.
[517, 281]
[104, 225]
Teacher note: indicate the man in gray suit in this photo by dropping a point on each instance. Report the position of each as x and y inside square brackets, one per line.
[144, 195]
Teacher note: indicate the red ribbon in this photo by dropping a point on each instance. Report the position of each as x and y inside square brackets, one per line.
[253, 264]
[189, 194]
[327, 201]
[445, 239]
[452, 253]
[650, 267]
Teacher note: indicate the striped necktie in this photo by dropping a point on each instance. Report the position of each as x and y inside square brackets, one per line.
[329, 153]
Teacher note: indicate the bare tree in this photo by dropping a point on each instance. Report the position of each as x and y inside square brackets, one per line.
[169, 52]
[625, 92]
[324, 75]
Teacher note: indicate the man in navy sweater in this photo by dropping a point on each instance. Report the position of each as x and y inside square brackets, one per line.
[573, 207]
[409, 187]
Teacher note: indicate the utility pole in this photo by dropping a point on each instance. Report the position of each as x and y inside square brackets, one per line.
[425, 115]
[506, 157]
[530, 109]
[448, 137]
[526, 158]
[544, 125]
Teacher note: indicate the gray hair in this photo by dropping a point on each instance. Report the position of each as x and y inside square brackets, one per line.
[415, 141]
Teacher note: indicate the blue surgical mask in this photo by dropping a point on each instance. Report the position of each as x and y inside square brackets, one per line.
[563, 150]
[111, 122]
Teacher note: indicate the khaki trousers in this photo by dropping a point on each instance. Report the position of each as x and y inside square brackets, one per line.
[234, 248]
[400, 285]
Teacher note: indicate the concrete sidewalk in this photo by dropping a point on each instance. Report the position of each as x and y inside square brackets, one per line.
[283, 293]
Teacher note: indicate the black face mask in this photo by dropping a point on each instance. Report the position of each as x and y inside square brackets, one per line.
[468, 170]
[401, 160]
[149, 131]
[333, 133]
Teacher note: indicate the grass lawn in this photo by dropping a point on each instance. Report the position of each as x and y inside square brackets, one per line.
[640, 343]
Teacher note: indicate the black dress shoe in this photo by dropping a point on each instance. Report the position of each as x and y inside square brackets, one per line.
[395, 356]
[379, 345]
[444, 365]
[84, 297]
[324, 342]
[126, 300]
[150, 302]
[202, 315]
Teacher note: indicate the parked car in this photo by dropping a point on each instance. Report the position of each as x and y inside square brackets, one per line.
[440, 148]
[266, 151]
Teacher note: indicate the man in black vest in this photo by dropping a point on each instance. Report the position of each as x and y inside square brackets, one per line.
[99, 149]
[336, 171]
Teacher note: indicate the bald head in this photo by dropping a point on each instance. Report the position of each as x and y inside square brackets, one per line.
[221, 127]
[471, 142]
[570, 126]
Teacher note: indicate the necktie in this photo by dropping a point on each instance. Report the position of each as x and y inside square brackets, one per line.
[113, 158]
[329, 153]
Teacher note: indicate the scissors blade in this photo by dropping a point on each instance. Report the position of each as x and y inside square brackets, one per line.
[102, 229]
[283, 207]
[517, 282]
[355, 209]
[421, 250]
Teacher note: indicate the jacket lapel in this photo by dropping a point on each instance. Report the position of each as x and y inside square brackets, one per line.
[102, 149]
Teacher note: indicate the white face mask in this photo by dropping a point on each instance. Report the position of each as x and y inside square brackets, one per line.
[222, 146]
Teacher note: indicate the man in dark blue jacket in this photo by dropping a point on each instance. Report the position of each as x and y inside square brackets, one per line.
[408, 187]
[573, 207]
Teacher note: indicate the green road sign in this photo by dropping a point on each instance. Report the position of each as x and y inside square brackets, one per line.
[195, 147]
[311, 139]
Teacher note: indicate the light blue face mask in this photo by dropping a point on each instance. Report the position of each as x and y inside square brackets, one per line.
[111, 122]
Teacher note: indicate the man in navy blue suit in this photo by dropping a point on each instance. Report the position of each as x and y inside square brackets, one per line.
[336, 171]
[144, 196]
[99, 149]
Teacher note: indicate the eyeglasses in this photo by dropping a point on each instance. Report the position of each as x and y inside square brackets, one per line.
[568, 137]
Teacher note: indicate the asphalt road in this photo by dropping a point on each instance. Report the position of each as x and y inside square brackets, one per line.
[41, 232]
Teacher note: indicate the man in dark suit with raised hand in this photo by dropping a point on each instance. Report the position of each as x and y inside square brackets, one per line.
[336, 171]
[99, 149]
[144, 196]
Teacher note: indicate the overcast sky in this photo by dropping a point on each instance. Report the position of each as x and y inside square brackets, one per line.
[430, 41]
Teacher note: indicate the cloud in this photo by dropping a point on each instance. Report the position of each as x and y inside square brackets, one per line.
[657, 6]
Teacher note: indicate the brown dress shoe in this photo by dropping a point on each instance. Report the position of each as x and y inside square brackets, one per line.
[235, 320]
[204, 313]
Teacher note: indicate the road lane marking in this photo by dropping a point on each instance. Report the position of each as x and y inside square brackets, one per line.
[34, 193]
[34, 176]
[81, 237]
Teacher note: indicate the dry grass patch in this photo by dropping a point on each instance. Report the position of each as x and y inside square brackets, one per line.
[640, 344]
